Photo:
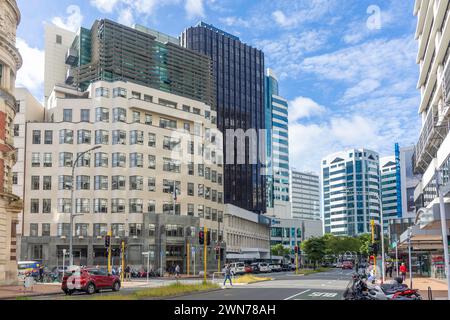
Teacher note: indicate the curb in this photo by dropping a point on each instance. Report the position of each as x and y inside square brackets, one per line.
[184, 294]
[32, 295]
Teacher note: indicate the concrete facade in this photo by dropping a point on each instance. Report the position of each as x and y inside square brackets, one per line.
[305, 196]
[10, 204]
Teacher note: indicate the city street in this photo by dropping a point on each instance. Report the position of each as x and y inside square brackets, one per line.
[322, 286]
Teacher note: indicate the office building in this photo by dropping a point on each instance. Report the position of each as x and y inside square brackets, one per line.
[408, 180]
[277, 150]
[239, 76]
[351, 191]
[305, 195]
[390, 189]
[155, 182]
[10, 204]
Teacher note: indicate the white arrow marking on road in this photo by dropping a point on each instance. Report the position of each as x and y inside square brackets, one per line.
[298, 294]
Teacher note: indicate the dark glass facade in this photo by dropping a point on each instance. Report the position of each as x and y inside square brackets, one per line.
[110, 52]
[238, 71]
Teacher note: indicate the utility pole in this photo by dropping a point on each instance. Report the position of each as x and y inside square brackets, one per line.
[205, 254]
[410, 258]
[372, 223]
[188, 262]
[122, 269]
[109, 251]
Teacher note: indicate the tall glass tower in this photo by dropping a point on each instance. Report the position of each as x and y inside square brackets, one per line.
[239, 75]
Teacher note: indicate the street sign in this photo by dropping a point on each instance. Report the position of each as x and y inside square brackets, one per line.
[193, 250]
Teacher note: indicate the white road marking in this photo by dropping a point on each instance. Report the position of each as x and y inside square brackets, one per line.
[298, 294]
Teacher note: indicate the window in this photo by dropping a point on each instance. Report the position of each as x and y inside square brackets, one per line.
[67, 115]
[186, 108]
[16, 130]
[48, 162]
[207, 173]
[152, 140]
[63, 229]
[101, 182]
[201, 190]
[148, 119]
[118, 205]
[46, 229]
[196, 111]
[166, 123]
[35, 159]
[168, 186]
[208, 193]
[191, 168]
[214, 195]
[34, 206]
[220, 179]
[151, 230]
[100, 205]
[81, 229]
[85, 115]
[100, 229]
[136, 137]
[171, 165]
[101, 137]
[151, 184]
[34, 229]
[101, 92]
[201, 169]
[214, 176]
[135, 229]
[36, 137]
[48, 137]
[174, 231]
[151, 206]
[119, 137]
[136, 117]
[119, 92]
[101, 115]
[47, 183]
[101, 160]
[65, 182]
[35, 183]
[84, 160]
[136, 95]
[136, 183]
[171, 144]
[65, 159]
[214, 215]
[82, 206]
[168, 208]
[64, 205]
[191, 188]
[220, 216]
[208, 213]
[118, 230]
[47, 206]
[83, 183]
[119, 115]
[190, 147]
[119, 160]
[151, 162]
[148, 98]
[136, 160]
[190, 211]
[136, 206]
[58, 39]
[220, 197]
[66, 136]
[118, 182]
[200, 211]
[84, 137]
[15, 178]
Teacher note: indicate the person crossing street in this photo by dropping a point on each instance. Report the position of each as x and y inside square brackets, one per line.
[227, 275]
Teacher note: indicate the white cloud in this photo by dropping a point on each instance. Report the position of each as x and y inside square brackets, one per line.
[31, 75]
[235, 22]
[302, 12]
[302, 107]
[105, 6]
[364, 87]
[72, 21]
[194, 8]
[126, 17]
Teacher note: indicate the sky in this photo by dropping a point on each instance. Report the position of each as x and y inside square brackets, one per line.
[347, 67]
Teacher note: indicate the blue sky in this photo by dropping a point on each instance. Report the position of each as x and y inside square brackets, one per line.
[348, 67]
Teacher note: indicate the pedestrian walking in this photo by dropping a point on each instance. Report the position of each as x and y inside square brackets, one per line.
[227, 275]
[128, 273]
[177, 271]
[403, 271]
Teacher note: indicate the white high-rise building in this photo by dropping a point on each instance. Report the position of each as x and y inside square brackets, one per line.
[432, 151]
[390, 186]
[351, 191]
[305, 196]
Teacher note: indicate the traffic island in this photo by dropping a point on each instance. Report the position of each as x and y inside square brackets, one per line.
[249, 279]
[307, 272]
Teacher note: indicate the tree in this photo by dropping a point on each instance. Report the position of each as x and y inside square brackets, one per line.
[314, 249]
[365, 240]
[280, 250]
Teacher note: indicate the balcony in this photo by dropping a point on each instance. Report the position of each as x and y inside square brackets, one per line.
[432, 135]
[446, 83]
[72, 57]
[69, 76]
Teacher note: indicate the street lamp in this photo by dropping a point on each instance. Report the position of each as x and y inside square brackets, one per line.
[409, 254]
[72, 211]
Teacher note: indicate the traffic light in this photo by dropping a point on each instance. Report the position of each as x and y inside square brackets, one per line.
[373, 249]
[378, 233]
[201, 238]
[208, 238]
[107, 241]
[296, 249]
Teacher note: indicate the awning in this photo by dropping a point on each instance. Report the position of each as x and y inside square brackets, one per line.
[421, 239]
[243, 256]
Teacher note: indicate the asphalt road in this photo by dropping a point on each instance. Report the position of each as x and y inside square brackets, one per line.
[321, 286]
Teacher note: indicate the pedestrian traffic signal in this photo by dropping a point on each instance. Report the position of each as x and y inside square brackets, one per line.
[201, 238]
[208, 238]
[107, 241]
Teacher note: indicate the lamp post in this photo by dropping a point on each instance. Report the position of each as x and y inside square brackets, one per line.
[410, 258]
[72, 192]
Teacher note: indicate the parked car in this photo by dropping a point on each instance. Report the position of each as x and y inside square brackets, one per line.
[286, 267]
[347, 265]
[255, 267]
[90, 281]
[248, 269]
[236, 268]
[264, 267]
[275, 267]
[339, 265]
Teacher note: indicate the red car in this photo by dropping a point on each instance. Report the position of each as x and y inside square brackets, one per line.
[90, 281]
[347, 265]
[248, 269]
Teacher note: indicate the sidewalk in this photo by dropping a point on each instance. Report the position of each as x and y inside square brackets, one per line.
[13, 292]
[438, 287]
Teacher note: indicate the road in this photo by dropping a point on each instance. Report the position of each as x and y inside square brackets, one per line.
[321, 286]
[284, 286]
